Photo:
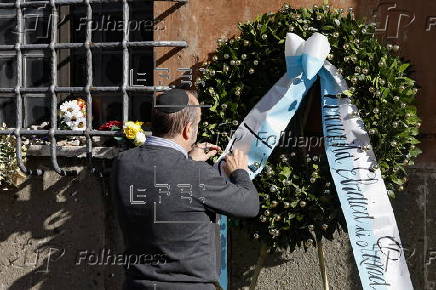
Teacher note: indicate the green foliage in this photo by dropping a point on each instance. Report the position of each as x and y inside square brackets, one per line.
[298, 197]
[10, 173]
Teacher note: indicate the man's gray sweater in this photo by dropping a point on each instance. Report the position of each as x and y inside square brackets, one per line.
[167, 206]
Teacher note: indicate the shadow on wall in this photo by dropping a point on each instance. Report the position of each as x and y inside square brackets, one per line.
[296, 270]
[49, 229]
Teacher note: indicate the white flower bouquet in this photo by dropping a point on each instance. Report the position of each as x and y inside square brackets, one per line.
[72, 114]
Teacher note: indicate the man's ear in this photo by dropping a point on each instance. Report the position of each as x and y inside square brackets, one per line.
[187, 131]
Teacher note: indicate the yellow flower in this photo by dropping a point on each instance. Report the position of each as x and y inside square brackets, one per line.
[131, 129]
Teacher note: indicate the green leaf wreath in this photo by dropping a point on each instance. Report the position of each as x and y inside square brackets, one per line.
[299, 202]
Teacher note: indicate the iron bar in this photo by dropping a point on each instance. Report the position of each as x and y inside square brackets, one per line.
[18, 99]
[119, 44]
[29, 132]
[54, 103]
[42, 90]
[70, 2]
[125, 61]
[89, 82]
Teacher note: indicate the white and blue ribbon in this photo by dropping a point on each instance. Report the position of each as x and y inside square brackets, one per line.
[371, 224]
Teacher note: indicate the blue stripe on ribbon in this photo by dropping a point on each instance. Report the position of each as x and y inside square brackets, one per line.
[280, 114]
[223, 267]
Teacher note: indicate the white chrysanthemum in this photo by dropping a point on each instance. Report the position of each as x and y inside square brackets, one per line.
[139, 138]
[76, 123]
[79, 124]
[69, 107]
[72, 115]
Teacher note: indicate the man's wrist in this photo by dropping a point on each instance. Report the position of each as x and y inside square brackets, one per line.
[239, 176]
[238, 171]
[198, 158]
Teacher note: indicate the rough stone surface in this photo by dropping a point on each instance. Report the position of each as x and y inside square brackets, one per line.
[297, 270]
[48, 222]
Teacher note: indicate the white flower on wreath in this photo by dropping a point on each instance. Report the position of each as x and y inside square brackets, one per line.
[139, 138]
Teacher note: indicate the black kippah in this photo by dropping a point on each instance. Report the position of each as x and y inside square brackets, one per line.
[171, 101]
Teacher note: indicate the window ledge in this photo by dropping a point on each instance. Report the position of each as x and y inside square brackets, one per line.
[73, 151]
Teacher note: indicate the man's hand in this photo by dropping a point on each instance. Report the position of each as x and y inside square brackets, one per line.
[237, 160]
[203, 151]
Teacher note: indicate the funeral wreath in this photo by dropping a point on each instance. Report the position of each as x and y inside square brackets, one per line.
[299, 203]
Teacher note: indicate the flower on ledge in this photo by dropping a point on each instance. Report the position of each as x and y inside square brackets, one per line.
[130, 129]
[72, 114]
[111, 125]
[139, 139]
[134, 132]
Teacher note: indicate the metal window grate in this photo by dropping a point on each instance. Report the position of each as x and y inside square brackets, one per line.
[88, 89]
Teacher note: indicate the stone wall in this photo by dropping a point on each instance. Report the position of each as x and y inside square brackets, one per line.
[51, 225]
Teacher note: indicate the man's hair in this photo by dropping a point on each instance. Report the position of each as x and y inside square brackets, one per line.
[168, 125]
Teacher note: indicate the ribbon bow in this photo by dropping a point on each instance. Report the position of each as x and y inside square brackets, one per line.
[305, 55]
